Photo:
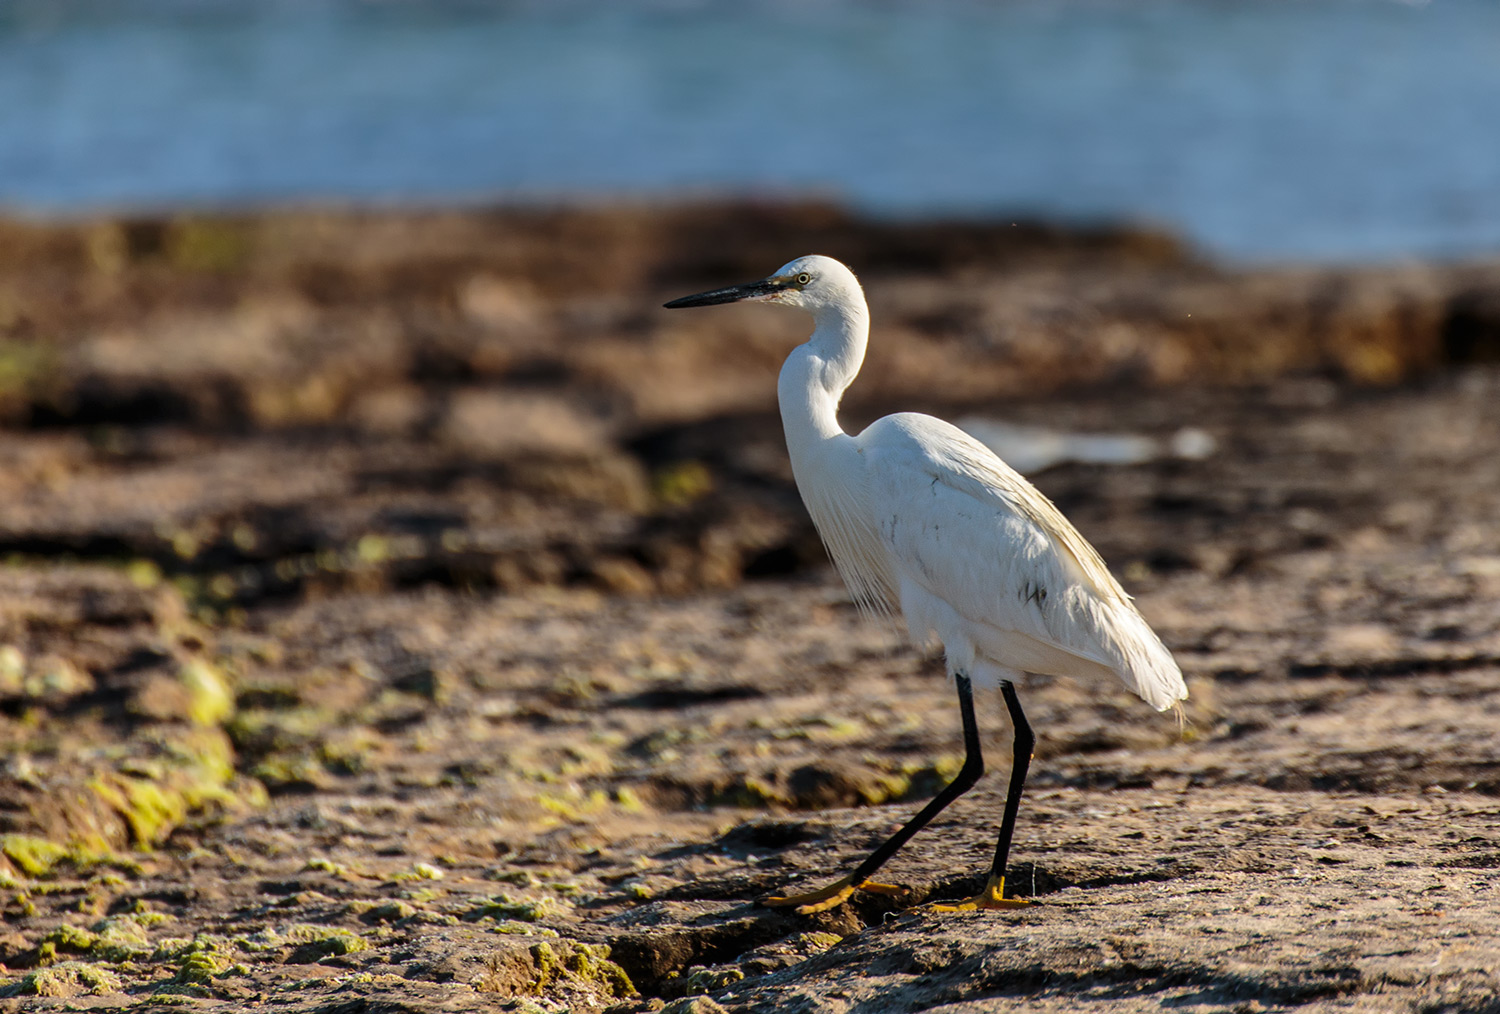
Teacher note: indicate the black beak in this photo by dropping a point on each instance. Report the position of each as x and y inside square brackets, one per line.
[733, 294]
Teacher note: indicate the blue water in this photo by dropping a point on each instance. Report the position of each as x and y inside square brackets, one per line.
[1265, 129]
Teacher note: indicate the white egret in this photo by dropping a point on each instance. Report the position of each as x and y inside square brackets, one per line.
[917, 513]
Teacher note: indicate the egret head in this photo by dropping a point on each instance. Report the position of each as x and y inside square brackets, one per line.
[813, 283]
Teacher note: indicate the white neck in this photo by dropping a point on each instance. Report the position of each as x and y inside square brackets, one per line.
[826, 461]
[817, 373]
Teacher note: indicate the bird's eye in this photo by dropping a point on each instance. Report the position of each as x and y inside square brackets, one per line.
[804, 278]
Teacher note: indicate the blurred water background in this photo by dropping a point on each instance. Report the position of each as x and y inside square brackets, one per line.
[1301, 129]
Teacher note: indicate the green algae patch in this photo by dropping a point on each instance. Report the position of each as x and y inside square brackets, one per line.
[926, 779]
[510, 927]
[201, 968]
[33, 856]
[39, 857]
[701, 981]
[192, 772]
[115, 940]
[883, 788]
[682, 483]
[70, 978]
[150, 811]
[287, 773]
[573, 805]
[198, 959]
[210, 701]
[261, 941]
[628, 800]
[70, 939]
[750, 793]
[310, 943]
[503, 906]
[319, 942]
[100, 799]
[578, 964]
[418, 871]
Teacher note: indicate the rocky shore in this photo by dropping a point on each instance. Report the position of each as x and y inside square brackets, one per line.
[400, 612]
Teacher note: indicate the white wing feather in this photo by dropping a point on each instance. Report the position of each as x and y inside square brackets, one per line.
[985, 561]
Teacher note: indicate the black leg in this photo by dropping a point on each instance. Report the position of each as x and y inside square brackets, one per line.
[837, 893]
[1020, 763]
[962, 782]
[993, 893]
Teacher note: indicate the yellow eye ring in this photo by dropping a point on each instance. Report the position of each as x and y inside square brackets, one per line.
[804, 278]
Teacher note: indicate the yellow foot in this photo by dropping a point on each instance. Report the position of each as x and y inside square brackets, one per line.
[993, 896]
[832, 896]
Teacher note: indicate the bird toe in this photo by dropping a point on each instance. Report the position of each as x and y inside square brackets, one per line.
[832, 896]
[991, 897]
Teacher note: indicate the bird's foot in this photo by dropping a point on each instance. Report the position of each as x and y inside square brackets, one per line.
[992, 896]
[832, 896]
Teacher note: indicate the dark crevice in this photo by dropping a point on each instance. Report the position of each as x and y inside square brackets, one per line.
[668, 698]
[1391, 667]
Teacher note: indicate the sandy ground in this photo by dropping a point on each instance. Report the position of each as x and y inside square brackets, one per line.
[386, 696]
